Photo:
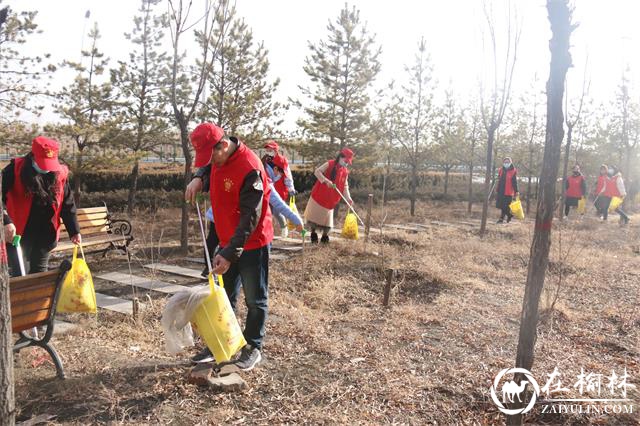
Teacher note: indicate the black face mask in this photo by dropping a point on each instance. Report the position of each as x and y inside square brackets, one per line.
[576, 173]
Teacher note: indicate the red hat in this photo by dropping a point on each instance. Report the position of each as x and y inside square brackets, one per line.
[272, 145]
[347, 154]
[45, 153]
[203, 138]
[280, 162]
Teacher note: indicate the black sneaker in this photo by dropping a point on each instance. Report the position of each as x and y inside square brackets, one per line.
[500, 221]
[509, 219]
[324, 239]
[314, 238]
[249, 358]
[203, 357]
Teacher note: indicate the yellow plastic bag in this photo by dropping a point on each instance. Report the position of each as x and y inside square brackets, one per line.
[582, 205]
[77, 293]
[615, 203]
[217, 324]
[350, 227]
[516, 209]
[292, 206]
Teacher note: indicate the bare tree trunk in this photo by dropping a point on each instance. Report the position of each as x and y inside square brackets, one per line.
[133, 187]
[529, 178]
[487, 180]
[446, 179]
[77, 177]
[7, 397]
[184, 222]
[470, 189]
[565, 170]
[561, 27]
[414, 184]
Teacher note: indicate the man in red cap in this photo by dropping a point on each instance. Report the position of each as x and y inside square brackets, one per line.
[36, 194]
[332, 181]
[239, 190]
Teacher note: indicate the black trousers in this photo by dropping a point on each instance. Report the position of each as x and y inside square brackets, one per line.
[212, 242]
[502, 202]
[606, 201]
[35, 255]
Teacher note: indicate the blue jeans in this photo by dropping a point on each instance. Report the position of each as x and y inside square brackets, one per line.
[252, 272]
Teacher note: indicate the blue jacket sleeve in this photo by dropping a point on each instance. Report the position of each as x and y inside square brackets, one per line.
[278, 206]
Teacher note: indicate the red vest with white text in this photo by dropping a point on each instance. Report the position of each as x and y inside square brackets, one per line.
[225, 184]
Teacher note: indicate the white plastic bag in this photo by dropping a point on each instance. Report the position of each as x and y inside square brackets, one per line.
[176, 317]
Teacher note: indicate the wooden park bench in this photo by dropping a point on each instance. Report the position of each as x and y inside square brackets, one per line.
[98, 229]
[33, 300]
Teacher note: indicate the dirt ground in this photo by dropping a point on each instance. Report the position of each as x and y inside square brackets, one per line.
[335, 355]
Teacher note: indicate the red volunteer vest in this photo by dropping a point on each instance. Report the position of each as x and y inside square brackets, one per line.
[602, 182]
[225, 183]
[575, 186]
[281, 188]
[611, 187]
[19, 201]
[508, 185]
[329, 197]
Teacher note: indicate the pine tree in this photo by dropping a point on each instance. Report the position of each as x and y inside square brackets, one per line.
[417, 115]
[342, 69]
[21, 85]
[138, 84]
[449, 135]
[241, 94]
[86, 105]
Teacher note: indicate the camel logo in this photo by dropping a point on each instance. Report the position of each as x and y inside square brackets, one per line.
[511, 391]
[228, 183]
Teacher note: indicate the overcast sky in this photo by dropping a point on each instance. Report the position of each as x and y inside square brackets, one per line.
[608, 33]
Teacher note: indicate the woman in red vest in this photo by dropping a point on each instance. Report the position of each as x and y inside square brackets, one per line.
[614, 188]
[36, 195]
[599, 199]
[331, 175]
[507, 189]
[576, 188]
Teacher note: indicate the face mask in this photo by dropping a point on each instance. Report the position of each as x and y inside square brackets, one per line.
[38, 169]
[576, 172]
[271, 153]
[611, 172]
[343, 162]
[506, 164]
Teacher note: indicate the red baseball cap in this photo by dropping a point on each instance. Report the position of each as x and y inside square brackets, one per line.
[203, 138]
[280, 162]
[272, 145]
[347, 154]
[45, 153]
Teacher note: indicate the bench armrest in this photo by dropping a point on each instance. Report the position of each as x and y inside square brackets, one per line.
[120, 227]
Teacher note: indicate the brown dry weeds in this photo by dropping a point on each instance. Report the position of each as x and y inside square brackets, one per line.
[334, 355]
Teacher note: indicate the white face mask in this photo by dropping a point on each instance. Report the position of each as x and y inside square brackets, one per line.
[343, 162]
[506, 164]
[271, 153]
[611, 171]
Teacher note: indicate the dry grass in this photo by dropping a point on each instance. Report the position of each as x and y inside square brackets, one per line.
[334, 355]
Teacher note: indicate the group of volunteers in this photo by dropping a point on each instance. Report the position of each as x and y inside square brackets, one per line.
[608, 187]
[245, 193]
